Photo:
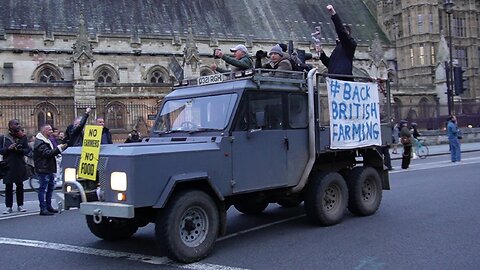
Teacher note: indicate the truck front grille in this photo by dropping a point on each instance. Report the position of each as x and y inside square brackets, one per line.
[102, 177]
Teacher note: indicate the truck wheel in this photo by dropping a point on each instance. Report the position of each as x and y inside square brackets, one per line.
[188, 226]
[326, 198]
[365, 191]
[251, 207]
[112, 229]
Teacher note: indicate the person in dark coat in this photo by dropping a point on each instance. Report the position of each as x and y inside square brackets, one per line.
[106, 135]
[14, 148]
[407, 147]
[133, 136]
[46, 166]
[74, 132]
[341, 59]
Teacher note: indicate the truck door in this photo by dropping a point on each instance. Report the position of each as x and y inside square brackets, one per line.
[297, 135]
[259, 147]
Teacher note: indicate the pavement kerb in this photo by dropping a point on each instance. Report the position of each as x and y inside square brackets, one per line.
[433, 154]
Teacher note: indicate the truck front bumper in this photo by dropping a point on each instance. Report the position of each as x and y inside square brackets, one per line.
[107, 209]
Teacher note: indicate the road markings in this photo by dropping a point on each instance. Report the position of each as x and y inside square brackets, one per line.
[259, 227]
[18, 215]
[113, 254]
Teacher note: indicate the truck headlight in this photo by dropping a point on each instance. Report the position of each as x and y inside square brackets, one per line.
[70, 174]
[118, 181]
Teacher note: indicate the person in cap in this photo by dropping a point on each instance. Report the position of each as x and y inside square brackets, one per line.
[240, 60]
[279, 60]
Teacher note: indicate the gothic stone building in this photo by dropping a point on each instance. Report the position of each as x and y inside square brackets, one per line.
[121, 57]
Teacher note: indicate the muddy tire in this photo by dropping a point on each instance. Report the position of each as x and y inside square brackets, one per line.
[326, 198]
[186, 229]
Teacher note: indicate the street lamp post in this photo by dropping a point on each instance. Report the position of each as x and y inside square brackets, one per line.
[448, 6]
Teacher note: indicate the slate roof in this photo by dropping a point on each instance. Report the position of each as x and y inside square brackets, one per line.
[246, 19]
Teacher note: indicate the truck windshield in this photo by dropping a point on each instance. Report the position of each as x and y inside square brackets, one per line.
[196, 114]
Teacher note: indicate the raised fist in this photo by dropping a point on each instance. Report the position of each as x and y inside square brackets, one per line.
[331, 10]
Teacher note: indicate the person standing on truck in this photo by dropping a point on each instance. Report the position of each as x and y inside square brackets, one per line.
[406, 139]
[279, 60]
[341, 59]
[46, 166]
[240, 60]
[74, 132]
[454, 137]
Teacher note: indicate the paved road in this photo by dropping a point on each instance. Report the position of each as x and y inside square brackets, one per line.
[429, 220]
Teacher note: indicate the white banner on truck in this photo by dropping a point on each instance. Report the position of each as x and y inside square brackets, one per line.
[354, 114]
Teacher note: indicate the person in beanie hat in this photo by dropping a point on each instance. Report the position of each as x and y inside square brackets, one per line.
[279, 60]
[240, 60]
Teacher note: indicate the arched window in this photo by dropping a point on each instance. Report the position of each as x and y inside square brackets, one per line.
[105, 74]
[47, 73]
[45, 112]
[115, 115]
[105, 77]
[157, 74]
[397, 109]
[156, 77]
[424, 108]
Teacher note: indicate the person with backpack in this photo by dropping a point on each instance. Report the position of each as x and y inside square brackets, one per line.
[341, 59]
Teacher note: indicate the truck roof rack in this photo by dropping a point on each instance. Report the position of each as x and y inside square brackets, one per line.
[259, 76]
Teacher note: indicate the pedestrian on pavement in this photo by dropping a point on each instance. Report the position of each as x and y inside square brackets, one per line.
[46, 166]
[406, 140]
[454, 136]
[240, 60]
[106, 135]
[395, 138]
[74, 132]
[341, 59]
[14, 148]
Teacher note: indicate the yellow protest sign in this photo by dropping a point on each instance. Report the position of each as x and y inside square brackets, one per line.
[87, 168]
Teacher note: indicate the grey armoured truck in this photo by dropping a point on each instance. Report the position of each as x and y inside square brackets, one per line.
[245, 140]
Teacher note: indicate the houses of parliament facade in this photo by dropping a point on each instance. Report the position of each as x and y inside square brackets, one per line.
[120, 57]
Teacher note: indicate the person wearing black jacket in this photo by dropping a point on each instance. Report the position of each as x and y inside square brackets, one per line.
[14, 148]
[46, 166]
[106, 135]
[74, 132]
[341, 59]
